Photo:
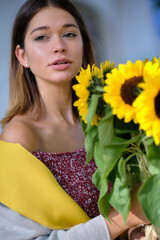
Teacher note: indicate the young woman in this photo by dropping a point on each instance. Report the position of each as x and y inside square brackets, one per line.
[46, 189]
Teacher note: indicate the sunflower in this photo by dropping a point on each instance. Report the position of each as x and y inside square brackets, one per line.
[106, 68]
[156, 60]
[147, 107]
[122, 87]
[85, 80]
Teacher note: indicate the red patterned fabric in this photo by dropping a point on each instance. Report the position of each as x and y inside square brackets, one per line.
[74, 177]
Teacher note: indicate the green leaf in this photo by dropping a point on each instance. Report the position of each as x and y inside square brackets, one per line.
[121, 141]
[133, 178]
[110, 155]
[107, 152]
[105, 130]
[98, 157]
[103, 203]
[84, 126]
[120, 195]
[112, 175]
[122, 169]
[149, 197]
[92, 109]
[90, 140]
[122, 127]
[106, 157]
[96, 178]
[154, 158]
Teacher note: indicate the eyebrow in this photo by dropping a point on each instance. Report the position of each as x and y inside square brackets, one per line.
[46, 27]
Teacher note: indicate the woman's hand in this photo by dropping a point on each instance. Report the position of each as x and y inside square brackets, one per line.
[136, 216]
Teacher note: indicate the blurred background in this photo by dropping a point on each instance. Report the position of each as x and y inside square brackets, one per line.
[121, 30]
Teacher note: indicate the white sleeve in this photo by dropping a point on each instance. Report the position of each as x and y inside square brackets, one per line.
[14, 226]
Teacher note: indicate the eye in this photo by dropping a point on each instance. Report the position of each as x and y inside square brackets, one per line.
[70, 35]
[41, 38]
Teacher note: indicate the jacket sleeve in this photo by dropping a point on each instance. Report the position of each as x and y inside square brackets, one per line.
[14, 226]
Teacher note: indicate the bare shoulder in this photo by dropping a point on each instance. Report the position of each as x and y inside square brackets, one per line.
[21, 132]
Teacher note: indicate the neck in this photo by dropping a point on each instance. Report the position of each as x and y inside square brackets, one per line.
[57, 102]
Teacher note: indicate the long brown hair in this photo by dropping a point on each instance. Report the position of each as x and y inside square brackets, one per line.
[24, 93]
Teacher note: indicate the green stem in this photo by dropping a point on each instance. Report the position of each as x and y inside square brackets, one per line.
[143, 165]
[99, 89]
[142, 161]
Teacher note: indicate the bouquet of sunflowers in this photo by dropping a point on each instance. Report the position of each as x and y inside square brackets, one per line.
[119, 109]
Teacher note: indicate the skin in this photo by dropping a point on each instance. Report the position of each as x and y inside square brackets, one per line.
[54, 40]
[136, 216]
[48, 39]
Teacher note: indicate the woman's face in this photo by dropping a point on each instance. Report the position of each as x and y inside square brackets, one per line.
[53, 46]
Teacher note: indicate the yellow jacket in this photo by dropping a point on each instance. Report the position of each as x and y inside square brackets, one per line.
[28, 187]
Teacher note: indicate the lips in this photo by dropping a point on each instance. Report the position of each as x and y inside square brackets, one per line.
[61, 61]
[58, 63]
[61, 64]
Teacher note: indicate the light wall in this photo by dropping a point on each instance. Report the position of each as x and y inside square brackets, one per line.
[121, 30]
[8, 10]
[127, 29]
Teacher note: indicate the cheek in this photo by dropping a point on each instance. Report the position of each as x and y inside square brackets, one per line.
[34, 55]
[79, 60]
[35, 61]
[79, 54]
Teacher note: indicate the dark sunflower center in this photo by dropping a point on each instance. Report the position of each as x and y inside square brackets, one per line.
[129, 90]
[157, 104]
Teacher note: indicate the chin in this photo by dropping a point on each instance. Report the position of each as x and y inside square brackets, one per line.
[63, 78]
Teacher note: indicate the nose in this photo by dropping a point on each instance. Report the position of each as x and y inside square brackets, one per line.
[58, 45]
[59, 50]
